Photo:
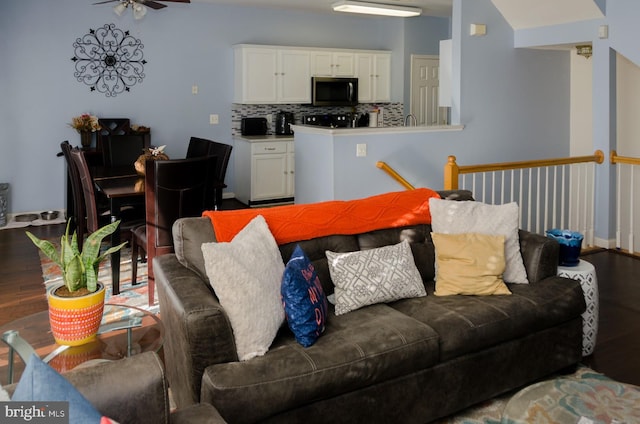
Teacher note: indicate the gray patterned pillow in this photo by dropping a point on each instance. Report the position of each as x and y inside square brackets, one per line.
[374, 276]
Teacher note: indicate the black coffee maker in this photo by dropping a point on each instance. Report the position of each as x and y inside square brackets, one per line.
[284, 120]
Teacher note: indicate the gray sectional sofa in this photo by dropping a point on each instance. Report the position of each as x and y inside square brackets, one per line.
[410, 361]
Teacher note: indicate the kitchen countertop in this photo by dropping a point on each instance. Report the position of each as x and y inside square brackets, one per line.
[260, 138]
[311, 129]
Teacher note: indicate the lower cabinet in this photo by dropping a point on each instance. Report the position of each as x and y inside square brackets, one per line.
[265, 171]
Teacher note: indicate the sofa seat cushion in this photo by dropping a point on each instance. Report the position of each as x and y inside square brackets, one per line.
[470, 323]
[358, 349]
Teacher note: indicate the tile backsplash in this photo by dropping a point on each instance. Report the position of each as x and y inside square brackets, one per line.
[392, 112]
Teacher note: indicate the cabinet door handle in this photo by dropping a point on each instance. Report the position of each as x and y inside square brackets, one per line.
[269, 148]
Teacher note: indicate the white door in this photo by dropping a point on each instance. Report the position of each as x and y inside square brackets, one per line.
[424, 90]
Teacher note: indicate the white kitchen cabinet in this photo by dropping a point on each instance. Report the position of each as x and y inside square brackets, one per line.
[265, 74]
[332, 64]
[374, 77]
[265, 171]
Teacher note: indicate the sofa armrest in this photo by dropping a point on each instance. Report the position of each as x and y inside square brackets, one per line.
[197, 330]
[539, 254]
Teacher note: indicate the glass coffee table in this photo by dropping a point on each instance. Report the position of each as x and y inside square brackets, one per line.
[136, 331]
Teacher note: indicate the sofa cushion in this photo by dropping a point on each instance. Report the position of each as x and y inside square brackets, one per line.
[455, 217]
[305, 304]
[359, 349]
[470, 264]
[418, 236]
[315, 250]
[188, 236]
[373, 276]
[470, 323]
[246, 274]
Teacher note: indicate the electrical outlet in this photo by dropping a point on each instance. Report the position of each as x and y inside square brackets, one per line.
[213, 119]
[269, 119]
[194, 89]
[361, 150]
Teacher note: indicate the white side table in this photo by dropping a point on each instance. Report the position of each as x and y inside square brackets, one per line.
[585, 272]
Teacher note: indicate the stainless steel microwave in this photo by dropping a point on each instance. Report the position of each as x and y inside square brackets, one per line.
[327, 91]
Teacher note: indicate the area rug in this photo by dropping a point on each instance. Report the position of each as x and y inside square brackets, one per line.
[130, 295]
[614, 402]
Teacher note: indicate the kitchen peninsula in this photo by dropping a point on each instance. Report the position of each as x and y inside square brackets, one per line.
[340, 163]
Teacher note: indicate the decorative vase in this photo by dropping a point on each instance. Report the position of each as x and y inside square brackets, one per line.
[75, 320]
[85, 139]
[570, 245]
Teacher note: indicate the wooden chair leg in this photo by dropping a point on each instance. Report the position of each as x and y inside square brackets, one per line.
[151, 283]
[134, 262]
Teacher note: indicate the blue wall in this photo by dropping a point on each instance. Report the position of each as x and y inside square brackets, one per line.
[514, 102]
[184, 44]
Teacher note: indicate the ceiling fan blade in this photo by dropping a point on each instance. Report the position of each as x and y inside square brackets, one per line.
[107, 1]
[152, 4]
[179, 1]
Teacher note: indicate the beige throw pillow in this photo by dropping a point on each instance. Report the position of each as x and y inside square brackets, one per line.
[457, 217]
[470, 264]
[245, 274]
[373, 276]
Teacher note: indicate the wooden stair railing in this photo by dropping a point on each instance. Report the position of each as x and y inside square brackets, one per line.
[628, 186]
[452, 170]
[389, 170]
[551, 193]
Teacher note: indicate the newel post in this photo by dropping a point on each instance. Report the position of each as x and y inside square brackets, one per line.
[451, 172]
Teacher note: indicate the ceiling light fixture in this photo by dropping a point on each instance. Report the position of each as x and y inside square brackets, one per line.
[139, 10]
[585, 51]
[376, 9]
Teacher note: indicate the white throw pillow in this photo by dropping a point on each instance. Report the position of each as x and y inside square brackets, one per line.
[457, 217]
[373, 276]
[245, 274]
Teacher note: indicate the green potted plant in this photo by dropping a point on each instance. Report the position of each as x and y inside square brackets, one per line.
[76, 305]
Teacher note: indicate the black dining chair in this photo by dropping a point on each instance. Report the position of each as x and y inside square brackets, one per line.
[95, 220]
[173, 189]
[122, 150]
[203, 147]
[78, 217]
[111, 126]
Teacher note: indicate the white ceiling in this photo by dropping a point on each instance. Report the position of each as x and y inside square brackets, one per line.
[429, 7]
[538, 13]
[519, 13]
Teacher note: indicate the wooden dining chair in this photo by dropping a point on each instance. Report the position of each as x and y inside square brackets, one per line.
[111, 126]
[203, 147]
[78, 218]
[173, 189]
[95, 220]
[122, 150]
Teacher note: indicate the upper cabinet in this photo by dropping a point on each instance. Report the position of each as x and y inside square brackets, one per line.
[265, 74]
[332, 64]
[280, 74]
[374, 77]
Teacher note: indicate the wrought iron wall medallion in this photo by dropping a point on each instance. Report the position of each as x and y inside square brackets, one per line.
[109, 60]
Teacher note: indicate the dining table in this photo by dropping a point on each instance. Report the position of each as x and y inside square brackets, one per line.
[119, 186]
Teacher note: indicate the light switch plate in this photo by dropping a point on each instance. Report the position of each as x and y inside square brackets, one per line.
[361, 150]
[213, 119]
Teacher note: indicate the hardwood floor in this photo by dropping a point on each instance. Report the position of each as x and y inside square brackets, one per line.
[617, 352]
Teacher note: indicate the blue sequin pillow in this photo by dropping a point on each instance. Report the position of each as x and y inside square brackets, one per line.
[305, 304]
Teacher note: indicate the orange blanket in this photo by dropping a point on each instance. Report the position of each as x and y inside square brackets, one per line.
[306, 221]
